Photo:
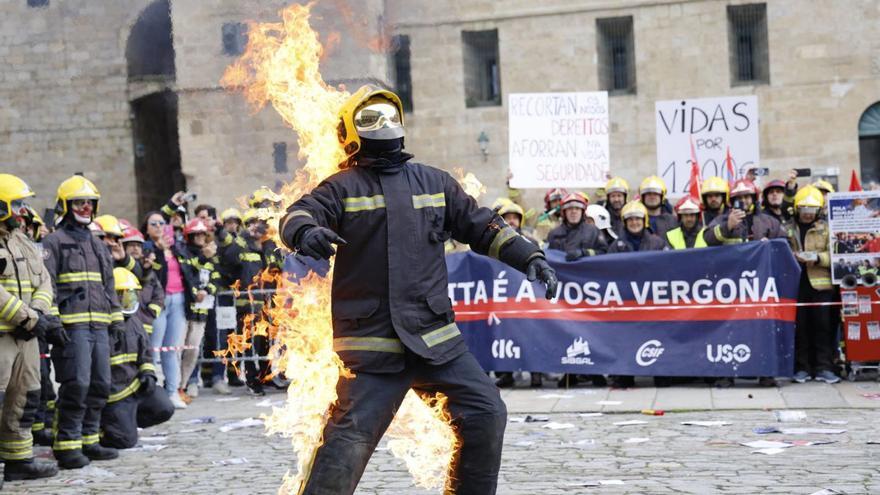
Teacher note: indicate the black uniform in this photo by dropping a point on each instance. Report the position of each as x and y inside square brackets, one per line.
[393, 322]
[577, 241]
[82, 273]
[130, 360]
[662, 223]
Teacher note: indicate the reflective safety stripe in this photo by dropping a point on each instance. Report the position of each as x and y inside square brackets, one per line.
[38, 426]
[13, 284]
[66, 278]
[501, 238]
[130, 265]
[6, 327]
[253, 257]
[7, 312]
[155, 308]
[123, 358]
[16, 450]
[54, 311]
[127, 391]
[442, 334]
[44, 296]
[91, 439]
[429, 201]
[725, 240]
[147, 367]
[116, 316]
[148, 329]
[363, 203]
[374, 344]
[50, 405]
[12, 444]
[70, 319]
[67, 444]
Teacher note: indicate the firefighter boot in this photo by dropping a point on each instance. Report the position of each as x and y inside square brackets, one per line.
[28, 470]
[96, 452]
[71, 459]
[43, 438]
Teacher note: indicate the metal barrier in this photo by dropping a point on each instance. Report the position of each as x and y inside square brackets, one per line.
[226, 317]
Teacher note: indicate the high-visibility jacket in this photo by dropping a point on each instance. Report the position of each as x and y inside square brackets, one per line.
[130, 358]
[25, 286]
[390, 281]
[82, 274]
[816, 240]
[677, 240]
[199, 274]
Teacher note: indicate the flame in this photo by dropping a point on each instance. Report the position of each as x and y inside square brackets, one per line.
[470, 183]
[280, 67]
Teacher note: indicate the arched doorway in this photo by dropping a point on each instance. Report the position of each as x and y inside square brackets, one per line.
[869, 144]
[150, 57]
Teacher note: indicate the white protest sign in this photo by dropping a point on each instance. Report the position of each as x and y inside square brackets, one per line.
[558, 139]
[714, 125]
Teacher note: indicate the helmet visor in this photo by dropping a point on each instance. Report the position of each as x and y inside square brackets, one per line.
[128, 299]
[379, 121]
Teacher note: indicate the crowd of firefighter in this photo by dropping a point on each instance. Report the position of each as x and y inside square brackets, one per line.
[106, 301]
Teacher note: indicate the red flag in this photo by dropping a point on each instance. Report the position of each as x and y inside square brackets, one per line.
[695, 172]
[854, 184]
[730, 170]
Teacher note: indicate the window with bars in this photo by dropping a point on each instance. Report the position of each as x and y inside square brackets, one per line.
[617, 60]
[234, 38]
[402, 73]
[482, 73]
[749, 50]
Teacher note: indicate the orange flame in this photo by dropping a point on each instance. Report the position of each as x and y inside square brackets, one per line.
[280, 67]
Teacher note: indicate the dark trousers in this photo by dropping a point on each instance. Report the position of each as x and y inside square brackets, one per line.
[46, 409]
[254, 371]
[82, 368]
[366, 407]
[815, 339]
[120, 420]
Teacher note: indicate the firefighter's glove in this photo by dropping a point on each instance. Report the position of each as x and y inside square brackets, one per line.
[538, 269]
[317, 242]
[116, 329]
[57, 336]
[148, 385]
[574, 254]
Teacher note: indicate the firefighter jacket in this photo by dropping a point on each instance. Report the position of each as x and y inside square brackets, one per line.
[244, 263]
[709, 216]
[82, 275]
[680, 238]
[152, 299]
[130, 358]
[25, 286]
[662, 223]
[628, 243]
[546, 222]
[754, 227]
[583, 238]
[813, 237]
[390, 281]
[198, 274]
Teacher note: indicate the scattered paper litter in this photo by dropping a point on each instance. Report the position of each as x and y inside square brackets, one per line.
[590, 415]
[147, 448]
[586, 443]
[811, 431]
[268, 403]
[763, 430]
[706, 423]
[827, 491]
[637, 440]
[523, 443]
[227, 399]
[596, 483]
[201, 420]
[538, 418]
[768, 451]
[153, 439]
[553, 425]
[809, 443]
[790, 416]
[874, 396]
[833, 422]
[75, 482]
[766, 444]
[192, 430]
[556, 396]
[516, 419]
[237, 425]
[609, 403]
[631, 422]
[230, 462]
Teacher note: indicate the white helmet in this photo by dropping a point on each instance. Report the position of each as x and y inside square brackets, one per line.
[601, 218]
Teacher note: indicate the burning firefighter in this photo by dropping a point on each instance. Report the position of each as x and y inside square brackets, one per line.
[393, 322]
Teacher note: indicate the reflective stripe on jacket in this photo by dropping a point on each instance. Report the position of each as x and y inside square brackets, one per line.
[25, 286]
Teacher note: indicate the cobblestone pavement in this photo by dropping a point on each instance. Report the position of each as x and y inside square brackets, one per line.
[655, 457]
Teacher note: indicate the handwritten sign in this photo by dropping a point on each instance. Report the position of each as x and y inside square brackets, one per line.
[558, 139]
[713, 125]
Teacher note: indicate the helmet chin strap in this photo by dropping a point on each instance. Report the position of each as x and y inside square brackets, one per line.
[81, 219]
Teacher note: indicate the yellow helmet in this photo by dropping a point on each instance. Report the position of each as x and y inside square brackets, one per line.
[35, 219]
[500, 202]
[634, 209]
[823, 185]
[125, 280]
[716, 185]
[653, 184]
[76, 187]
[230, 214]
[809, 197]
[252, 214]
[11, 189]
[383, 120]
[511, 207]
[262, 195]
[616, 184]
[110, 225]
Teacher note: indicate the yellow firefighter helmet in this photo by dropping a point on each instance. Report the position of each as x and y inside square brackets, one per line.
[371, 113]
[230, 214]
[511, 207]
[125, 280]
[11, 189]
[824, 186]
[263, 195]
[809, 197]
[634, 209]
[616, 184]
[110, 225]
[76, 187]
[252, 214]
[653, 184]
[715, 185]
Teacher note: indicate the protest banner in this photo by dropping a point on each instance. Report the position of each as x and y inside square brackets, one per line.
[718, 128]
[854, 232]
[558, 139]
[720, 311]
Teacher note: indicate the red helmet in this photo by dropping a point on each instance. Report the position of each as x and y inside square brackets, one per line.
[574, 200]
[195, 226]
[556, 193]
[131, 234]
[744, 187]
[688, 205]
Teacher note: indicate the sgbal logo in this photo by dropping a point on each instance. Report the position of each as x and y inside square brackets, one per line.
[649, 352]
[726, 353]
[505, 349]
[578, 352]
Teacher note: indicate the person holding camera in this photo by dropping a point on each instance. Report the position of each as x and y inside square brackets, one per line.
[744, 222]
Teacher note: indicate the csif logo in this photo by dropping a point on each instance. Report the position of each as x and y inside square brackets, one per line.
[726, 353]
[505, 349]
[649, 353]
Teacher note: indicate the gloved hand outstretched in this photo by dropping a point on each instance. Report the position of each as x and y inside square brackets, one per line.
[317, 242]
[539, 269]
[148, 384]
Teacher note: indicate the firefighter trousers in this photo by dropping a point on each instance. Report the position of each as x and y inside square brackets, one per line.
[195, 330]
[366, 407]
[82, 368]
[20, 394]
[46, 409]
[120, 420]
[815, 339]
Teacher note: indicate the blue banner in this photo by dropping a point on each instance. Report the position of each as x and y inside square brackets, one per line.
[721, 311]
